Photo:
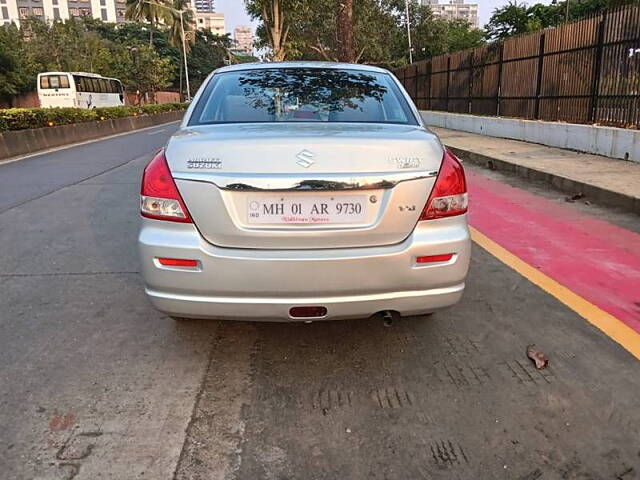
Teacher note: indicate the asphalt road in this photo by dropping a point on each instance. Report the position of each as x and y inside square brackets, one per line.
[95, 384]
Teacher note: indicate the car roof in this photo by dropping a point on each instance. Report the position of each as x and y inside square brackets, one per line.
[325, 65]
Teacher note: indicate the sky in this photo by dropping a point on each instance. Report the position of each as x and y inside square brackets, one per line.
[235, 14]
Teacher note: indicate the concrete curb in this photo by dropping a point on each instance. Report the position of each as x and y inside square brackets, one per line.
[563, 184]
[622, 143]
[25, 142]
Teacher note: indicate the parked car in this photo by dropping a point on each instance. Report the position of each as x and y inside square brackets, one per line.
[303, 191]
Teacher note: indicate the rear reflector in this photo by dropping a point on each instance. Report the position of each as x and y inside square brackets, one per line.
[177, 262]
[435, 258]
[307, 312]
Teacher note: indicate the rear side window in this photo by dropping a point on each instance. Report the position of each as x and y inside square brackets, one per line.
[302, 95]
[54, 81]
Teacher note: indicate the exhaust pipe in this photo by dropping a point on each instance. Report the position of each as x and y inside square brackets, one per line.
[389, 316]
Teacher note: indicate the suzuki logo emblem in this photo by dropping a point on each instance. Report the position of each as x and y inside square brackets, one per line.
[305, 158]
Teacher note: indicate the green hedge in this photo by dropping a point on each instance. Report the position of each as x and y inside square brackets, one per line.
[22, 118]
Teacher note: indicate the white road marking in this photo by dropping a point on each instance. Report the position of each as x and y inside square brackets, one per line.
[159, 131]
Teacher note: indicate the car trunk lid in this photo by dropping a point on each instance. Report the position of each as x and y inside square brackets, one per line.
[304, 186]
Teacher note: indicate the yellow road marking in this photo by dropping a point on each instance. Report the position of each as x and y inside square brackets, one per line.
[607, 323]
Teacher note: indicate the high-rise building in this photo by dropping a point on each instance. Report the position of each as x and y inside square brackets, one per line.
[206, 17]
[243, 39]
[49, 10]
[203, 6]
[455, 9]
[210, 21]
[106, 10]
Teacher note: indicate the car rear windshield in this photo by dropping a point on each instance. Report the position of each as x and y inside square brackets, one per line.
[302, 95]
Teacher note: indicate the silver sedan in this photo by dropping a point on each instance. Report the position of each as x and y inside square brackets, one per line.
[303, 192]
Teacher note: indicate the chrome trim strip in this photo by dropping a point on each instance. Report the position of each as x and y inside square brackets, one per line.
[293, 182]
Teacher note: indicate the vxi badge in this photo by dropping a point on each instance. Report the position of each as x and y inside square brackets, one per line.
[406, 162]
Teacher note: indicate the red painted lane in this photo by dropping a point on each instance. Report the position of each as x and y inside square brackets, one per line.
[595, 259]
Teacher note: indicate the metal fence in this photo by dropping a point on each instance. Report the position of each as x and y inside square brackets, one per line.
[582, 72]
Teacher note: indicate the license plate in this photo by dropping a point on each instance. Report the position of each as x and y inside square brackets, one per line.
[304, 209]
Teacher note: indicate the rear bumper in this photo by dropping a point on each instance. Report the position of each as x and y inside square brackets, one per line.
[265, 284]
[277, 309]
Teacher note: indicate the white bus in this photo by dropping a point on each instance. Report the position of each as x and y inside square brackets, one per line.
[78, 89]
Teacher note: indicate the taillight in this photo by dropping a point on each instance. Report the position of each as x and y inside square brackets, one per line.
[449, 194]
[159, 196]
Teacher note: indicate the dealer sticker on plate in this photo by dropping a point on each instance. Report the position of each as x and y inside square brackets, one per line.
[304, 209]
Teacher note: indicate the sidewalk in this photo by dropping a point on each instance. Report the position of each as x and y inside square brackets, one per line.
[600, 179]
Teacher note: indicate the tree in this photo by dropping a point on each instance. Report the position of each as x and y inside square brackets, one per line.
[92, 46]
[17, 68]
[176, 25]
[63, 46]
[429, 34]
[432, 35]
[322, 29]
[275, 24]
[152, 11]
[344, 31]
[135, 33]
[512, 19]
[305, 28]
[462, 35]
[9, 63]
[140, 69]
[579, 9]
[376, 33]
[308, 29]
[206, 51]
[209, 52]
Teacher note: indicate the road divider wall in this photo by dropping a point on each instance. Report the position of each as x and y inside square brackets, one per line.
[608, 141]
[23, 118]
[24, 142]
